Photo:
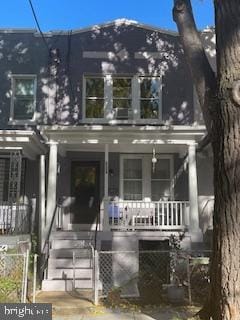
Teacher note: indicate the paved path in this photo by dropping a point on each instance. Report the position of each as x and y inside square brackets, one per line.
[69, 306]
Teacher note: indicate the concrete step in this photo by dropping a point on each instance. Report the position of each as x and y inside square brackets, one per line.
[63, 273]
[68, 253]
[65, 285]
[81, 235]
[68, 263]
[69, 243]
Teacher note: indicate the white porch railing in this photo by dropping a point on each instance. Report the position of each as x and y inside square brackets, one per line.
[14, 218]
[161, 215]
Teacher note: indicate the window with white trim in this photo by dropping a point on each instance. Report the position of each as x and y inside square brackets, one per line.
[161, 180]
[94, 103]
[132, 179]
[23, 104]
[149, 98]
[139, 182]
[122, 98]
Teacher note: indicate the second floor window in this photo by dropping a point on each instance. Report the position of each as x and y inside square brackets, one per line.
[122, 98]
[94, 98]
[149, 98]
[23, 103]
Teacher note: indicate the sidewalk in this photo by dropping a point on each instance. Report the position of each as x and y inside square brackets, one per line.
[78, 306]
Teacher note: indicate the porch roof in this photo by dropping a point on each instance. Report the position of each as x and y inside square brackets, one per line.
[28, 141]
[134, 135]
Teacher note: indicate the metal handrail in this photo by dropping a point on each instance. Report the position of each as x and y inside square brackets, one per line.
[47, 241]
[91, 249]
[206, 204]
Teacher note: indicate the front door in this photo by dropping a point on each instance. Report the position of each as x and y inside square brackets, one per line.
[85, 191]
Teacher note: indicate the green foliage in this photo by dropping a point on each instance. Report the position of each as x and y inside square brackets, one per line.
[10, 286]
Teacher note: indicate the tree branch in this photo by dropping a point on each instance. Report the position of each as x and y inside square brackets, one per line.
[202, 73]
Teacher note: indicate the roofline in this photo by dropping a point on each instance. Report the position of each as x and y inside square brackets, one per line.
[117, 22]
[17, 30]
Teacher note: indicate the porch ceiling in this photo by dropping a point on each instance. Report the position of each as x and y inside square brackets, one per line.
[27, 141]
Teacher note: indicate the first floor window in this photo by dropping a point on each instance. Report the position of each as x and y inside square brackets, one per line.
[140, 182]
[94, 101]
[132, 179]
[161, 180]
[23, 97]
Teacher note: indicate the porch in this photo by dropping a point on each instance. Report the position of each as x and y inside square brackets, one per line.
[129, 199]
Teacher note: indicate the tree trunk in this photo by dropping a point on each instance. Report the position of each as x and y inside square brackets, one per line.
[225, 275]
[224, 297]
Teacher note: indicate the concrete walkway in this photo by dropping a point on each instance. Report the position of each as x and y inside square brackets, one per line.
[78, 306]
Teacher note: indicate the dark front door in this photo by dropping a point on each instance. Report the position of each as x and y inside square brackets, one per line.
[85, 191]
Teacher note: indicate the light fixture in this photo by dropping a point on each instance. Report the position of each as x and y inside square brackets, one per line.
[154, 159]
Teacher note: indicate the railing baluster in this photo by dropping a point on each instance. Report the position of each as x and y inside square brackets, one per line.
[167, 213]
[180, 214]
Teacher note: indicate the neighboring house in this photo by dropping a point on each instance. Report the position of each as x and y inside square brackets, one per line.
[100, 129]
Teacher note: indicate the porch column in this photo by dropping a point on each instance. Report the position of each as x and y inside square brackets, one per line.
[106, 198]
[52, 183]
[196, 234]
[42, 216]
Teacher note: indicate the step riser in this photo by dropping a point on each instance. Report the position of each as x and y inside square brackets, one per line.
[84, 235]
[68, 273]
[67, 263]
[68, 253]
[65, 244]
[65, 285]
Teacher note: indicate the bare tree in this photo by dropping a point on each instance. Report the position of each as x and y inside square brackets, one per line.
[219, 98]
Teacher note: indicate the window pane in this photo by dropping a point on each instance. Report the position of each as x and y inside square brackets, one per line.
[162, 169]
[160, 190]
[149, 109]
[23, 109]
[94, 87]
[149, 88]
[132, 169]
[24, 87]
[132, 190]
[122, 103]
[94, 108]
[122, 88]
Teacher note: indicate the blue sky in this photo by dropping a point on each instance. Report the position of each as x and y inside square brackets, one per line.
[75, 14]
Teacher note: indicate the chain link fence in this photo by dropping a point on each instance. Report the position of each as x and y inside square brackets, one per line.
[153, 276]
[13, 275]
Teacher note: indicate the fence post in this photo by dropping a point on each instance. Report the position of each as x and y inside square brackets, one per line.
[34, 277]
[25, 276]
[96, 276]
[189, 280]
[74, 269]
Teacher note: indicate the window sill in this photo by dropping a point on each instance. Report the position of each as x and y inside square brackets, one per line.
[22, 122]
[123, 121]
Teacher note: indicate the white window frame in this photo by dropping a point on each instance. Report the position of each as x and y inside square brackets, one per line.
[130, 111]
[150, 120]
[14, 77]
[146, 174]
[134, 114]
[97, 120]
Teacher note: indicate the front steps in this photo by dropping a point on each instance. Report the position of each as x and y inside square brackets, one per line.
[59, 275]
